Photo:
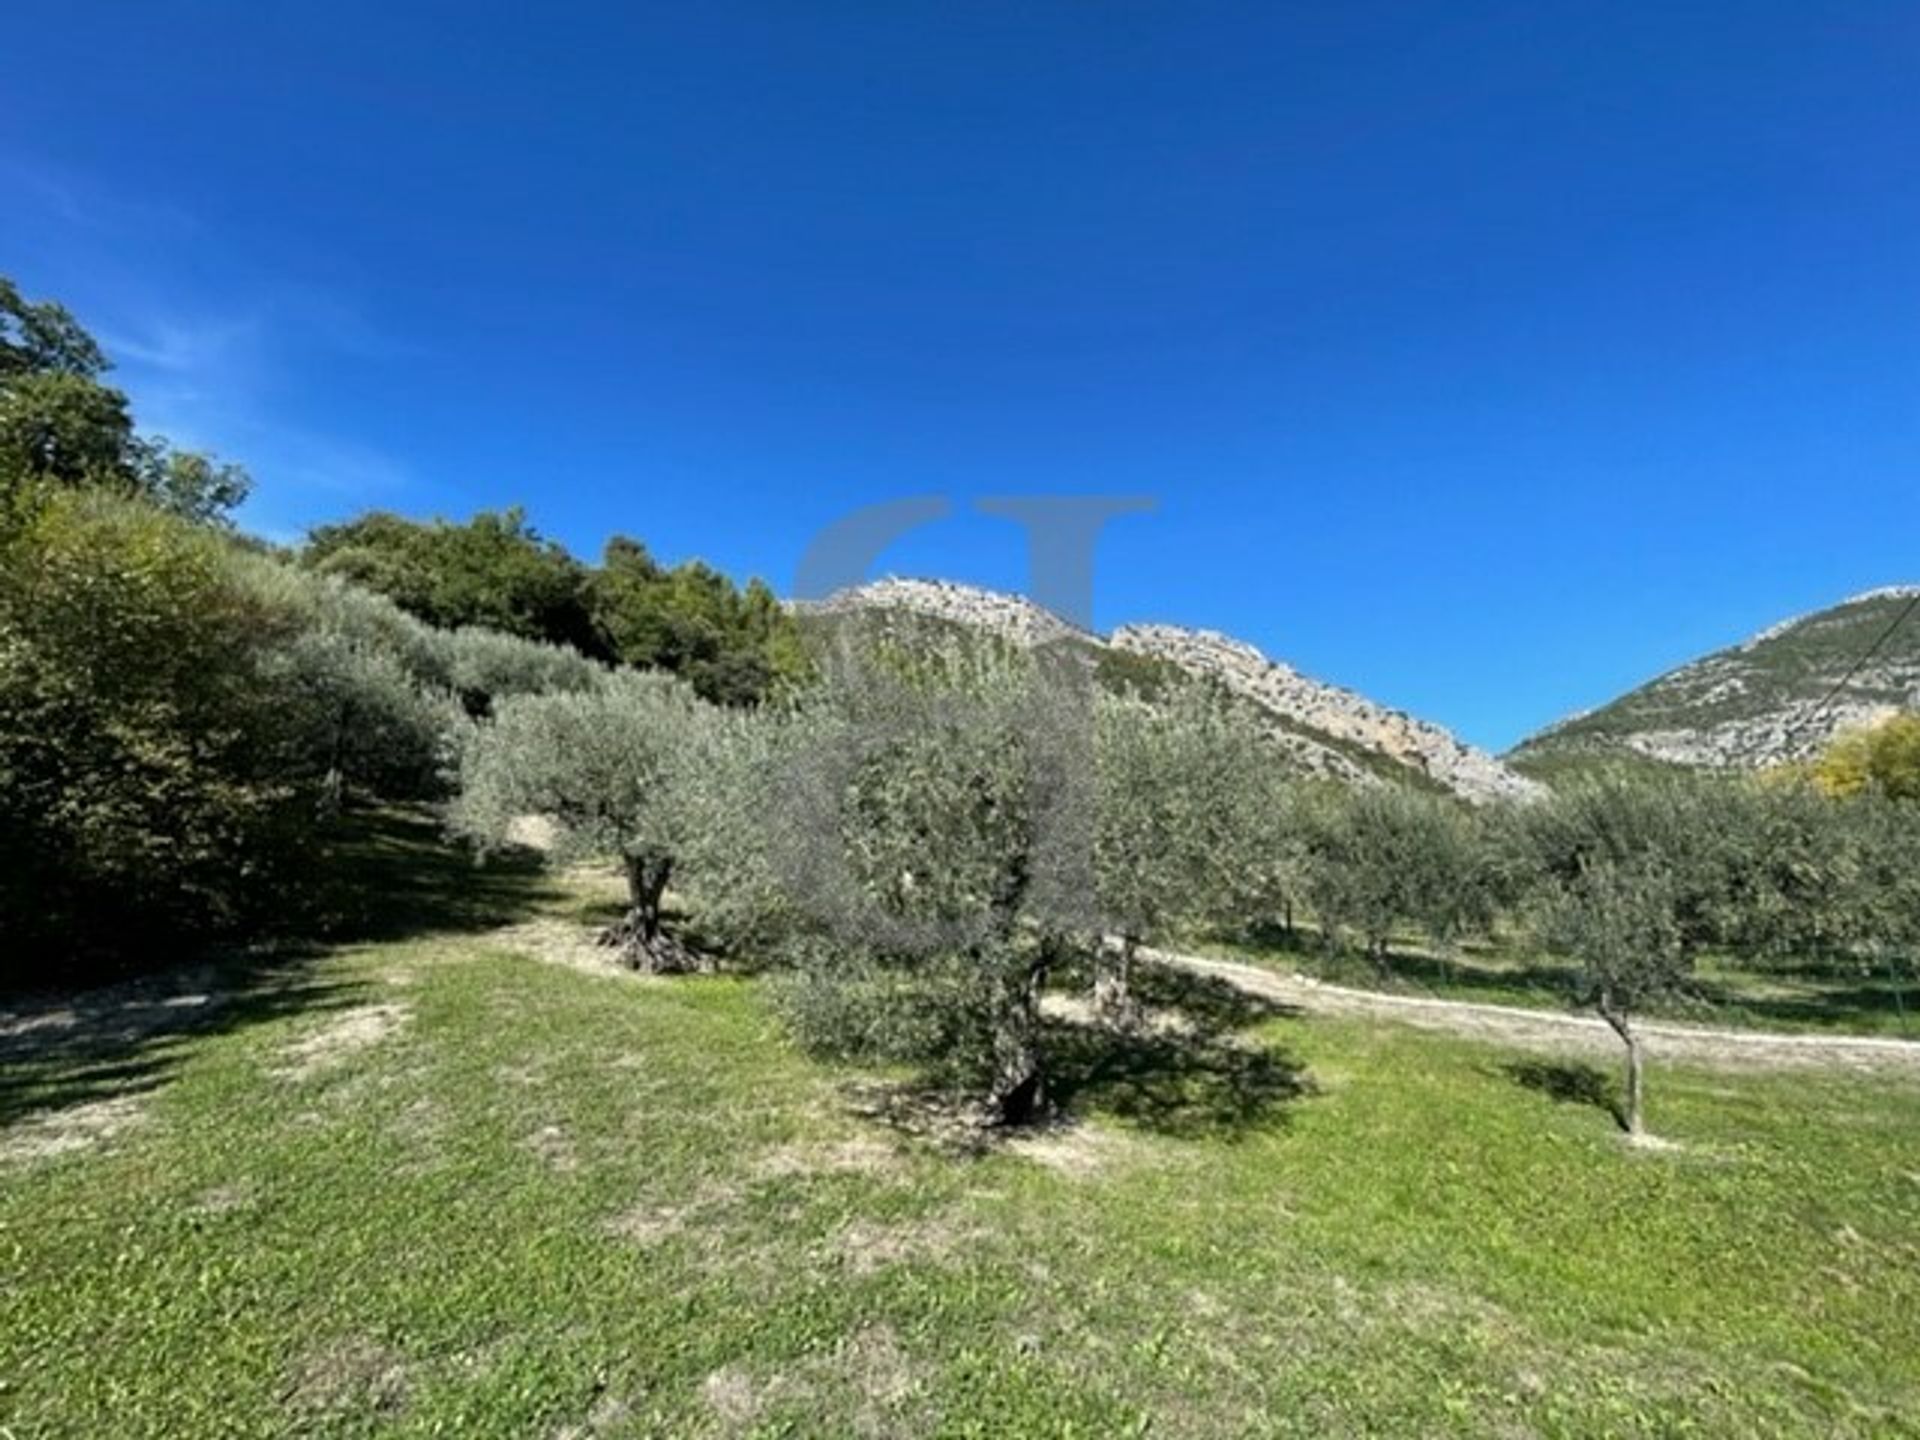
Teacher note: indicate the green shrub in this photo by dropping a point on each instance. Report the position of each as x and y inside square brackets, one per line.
[155, 786]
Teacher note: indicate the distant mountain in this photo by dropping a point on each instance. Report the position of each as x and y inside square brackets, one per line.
[1757, 703]
[1325, 729]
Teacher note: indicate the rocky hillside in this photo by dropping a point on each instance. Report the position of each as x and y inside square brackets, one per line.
[1759, 702]
[1419, 745]
[1011, 617]
[1327, 730]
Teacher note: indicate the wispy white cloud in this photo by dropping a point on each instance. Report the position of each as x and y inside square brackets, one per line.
[175, 346]
[237, 372]
[84, 205]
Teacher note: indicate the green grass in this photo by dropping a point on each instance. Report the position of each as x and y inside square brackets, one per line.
[1813, 996]
[536, 1201]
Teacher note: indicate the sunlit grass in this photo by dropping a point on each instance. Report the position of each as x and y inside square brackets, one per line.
[425, 1185]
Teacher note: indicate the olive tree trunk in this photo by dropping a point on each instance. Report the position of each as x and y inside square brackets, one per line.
[637, 935]
[1113, 998]
[1377, 952]
[1018, 1094]
[1632, 1111]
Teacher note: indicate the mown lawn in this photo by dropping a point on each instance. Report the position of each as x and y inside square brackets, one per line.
[431, 1186]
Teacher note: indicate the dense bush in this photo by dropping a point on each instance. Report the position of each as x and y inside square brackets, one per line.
[180, 714]
[1882, 759]
[495, 571]
[735, 646]
[154, 783]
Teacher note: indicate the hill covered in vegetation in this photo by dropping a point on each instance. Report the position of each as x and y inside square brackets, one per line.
[1781, 695]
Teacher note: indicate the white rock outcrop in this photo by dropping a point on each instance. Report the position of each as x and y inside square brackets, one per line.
[1277, 689]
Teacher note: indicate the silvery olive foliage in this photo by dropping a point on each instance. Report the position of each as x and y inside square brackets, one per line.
[1185, 805]
[1386, 858]
[1618, 921]
[484, 666]
[1634, 876]
[616, 768]
[927, 813]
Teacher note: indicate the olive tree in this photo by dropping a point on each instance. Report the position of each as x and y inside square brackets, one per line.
[614, 768]
[917, 803]
[1633, 878]
[1882, 901]
[1179, 785]
[1385, 857]
[1618, 922]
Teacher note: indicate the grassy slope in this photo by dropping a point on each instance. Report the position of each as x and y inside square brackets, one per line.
[541, 1199]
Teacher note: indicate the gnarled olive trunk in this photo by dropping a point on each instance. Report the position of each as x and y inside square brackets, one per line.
[642, 943]
[1018, 1090]
[1636, 1077]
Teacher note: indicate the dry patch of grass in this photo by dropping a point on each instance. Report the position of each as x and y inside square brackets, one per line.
[867, 1247]
[1079, 1151]
[77, 1127]
[858, 1155]
[868, 1378]
[351, 1377]
[555, 1149]
[341, 1039]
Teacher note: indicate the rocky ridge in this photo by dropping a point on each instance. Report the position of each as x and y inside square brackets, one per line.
[1333, 710]
[1325, 729]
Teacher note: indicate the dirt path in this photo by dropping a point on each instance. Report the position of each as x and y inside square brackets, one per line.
[1556, 1033]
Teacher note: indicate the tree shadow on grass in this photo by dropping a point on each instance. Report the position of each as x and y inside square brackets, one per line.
[383, 875]
[1568, 1084]
[1189, 1086]
[1212, 1005]
[391, 874]
[1185, 1069]
[118, 1041]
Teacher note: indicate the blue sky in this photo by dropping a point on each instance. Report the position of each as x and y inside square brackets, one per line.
[1487, 358]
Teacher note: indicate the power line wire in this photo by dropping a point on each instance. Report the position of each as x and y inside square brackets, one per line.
[1800, 726]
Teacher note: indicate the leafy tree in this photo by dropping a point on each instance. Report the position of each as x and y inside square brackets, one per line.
[922, 806]
[1883, 759]
[61, 425]
[1618, 921]
[188, 483]
[1881, 904]
[67, 429]
[1179, 821]
[43, 338]
[616, 768]
[734, 646]
[484, 666]
[357, 675]
[1634, 878]
[1384, 857]
[495, 571]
